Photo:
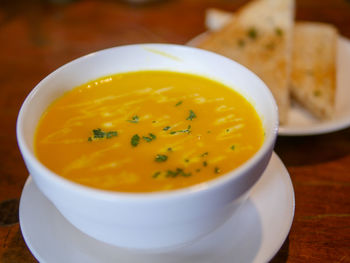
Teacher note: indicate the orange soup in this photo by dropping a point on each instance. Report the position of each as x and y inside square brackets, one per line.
[147, 131]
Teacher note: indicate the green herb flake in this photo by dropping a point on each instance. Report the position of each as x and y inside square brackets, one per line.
[99, 134]
[241, 43]
[233, 147]
[178, 103]
[170, 149]
[111, 134]
[279, 31]
[156, 174]
[317, 93]
[252, 33]
[198, 170]
[166, 128]
[191, 116]
[205, 164]
[161, 158]
[177, 172]
[186, 174]
[135, 140]
[204, 154]
[187, 160]
[149, 138]
[217, 170]
[188, 130]
[134, 119]
[171, 173]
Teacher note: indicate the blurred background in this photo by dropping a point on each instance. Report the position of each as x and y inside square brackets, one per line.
[38, 36]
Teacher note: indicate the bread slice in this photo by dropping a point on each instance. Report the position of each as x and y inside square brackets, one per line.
[260, 38]
[313, 77]
[313, 73]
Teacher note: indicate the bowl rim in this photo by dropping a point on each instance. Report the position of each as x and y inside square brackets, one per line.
[210, 185]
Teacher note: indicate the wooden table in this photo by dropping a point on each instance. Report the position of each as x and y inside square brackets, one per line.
[36, 37]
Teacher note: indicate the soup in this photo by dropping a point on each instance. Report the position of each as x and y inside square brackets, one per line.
[147, 131]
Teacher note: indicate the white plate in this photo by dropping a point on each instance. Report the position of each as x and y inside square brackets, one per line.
[253, 234]
[300, 121]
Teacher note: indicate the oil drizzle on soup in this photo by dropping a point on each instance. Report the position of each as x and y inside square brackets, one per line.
[147, 131]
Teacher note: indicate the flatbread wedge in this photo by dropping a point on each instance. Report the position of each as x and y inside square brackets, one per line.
[313, 77]
[260, 37]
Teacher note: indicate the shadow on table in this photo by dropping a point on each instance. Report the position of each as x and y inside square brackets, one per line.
[307, 150]
[282, 255]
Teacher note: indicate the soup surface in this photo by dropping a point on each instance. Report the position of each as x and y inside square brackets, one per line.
[147, 131]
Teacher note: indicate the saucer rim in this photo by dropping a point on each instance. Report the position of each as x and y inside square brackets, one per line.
[282, 173]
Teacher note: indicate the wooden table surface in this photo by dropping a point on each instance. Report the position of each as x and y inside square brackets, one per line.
[38, 36]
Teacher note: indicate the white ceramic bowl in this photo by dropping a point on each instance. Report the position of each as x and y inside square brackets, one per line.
[150, 220]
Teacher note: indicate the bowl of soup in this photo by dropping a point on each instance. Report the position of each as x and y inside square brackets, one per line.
[148, 146]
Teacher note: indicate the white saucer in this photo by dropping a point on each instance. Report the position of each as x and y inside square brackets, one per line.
[253, 234]
[300, 121]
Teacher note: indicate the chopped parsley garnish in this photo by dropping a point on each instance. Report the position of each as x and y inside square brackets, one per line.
[177, 172]
[185, 174]
[191, 116]
[135, 140]
[204, 154]
[188, 130]
[166, 128]
[178, 103]
[156, 174]
[171, 173]
[170, 149]
[241, 43]
[134, 119]
[279, 31]
[252, 33]
[205, 163]
[174, 173]
[161, 158]
[233, 147]
[99, 134]
[317, 93]
[187, 160]
[149, 138]
[111, 134]
[217, 170]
